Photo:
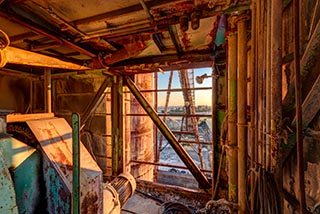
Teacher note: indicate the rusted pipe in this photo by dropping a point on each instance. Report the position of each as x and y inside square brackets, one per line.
[75, 163]
[47, 90]
[242, 113]
[300, 160]
[232, 154]
[276, 92]
[22, 57]
[252, 98]
[214, 104]
[117, 126]
[184, 156]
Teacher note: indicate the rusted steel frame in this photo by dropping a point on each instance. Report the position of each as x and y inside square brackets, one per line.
[59, 19]
[232, 154]
[299, 134]
[276, 93]
[47, 90]
[37, 29]
[117, 125]
[75, 163]
[184, 156]
[91, 107]
[171, 29]
[119, 12]
[177, 89]
[242, 115]
[166, 165]
[22, 57]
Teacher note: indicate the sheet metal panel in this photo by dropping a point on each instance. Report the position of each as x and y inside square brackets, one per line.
[8, 203]
[55, 138]
[26, 168]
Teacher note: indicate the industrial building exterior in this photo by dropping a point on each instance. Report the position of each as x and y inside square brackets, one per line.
[158, 106]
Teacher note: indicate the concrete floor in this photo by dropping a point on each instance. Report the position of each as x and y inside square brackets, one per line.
[139, 204]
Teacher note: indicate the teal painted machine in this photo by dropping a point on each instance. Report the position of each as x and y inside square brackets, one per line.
[38, 172]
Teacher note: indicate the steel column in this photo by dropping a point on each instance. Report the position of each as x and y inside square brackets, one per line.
[242, 113]
[117, 125]
[75, 163]
[232, 154]
[276, 92]
[300, 161]
[194, 169]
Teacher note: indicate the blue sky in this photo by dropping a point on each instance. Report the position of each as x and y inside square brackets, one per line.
[202, 97]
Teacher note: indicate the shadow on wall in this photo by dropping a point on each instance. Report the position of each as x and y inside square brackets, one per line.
[14, 93]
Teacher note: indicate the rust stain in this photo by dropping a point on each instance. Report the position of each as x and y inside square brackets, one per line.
[90, 203]
[213, 32]
[186, 41]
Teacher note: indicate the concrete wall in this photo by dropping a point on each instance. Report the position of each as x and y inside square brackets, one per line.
[14, 93]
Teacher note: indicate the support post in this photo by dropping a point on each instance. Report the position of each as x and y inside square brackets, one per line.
[75, 163]
[184, 156]
[214, 92]
[232, 154]
[47, 90]
[276, 92]
[300, 160]
[252, 99]
[117, 125]
[242, 112]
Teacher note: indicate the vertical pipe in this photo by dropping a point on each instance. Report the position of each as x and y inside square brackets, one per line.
[276, 91]
[155, 129]
[117, 126]
[298, 107]
[214, 94]
[242, 113]
[252, 76]
[232, 117]
[268, 88]
[47, 90]
[75, 163]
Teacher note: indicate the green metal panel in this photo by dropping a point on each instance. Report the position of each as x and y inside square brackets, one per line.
[24, 161]
[26, 183]
[8, 203]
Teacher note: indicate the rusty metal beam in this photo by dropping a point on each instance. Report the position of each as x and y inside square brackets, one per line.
[23, 57]
[185, 157]
[39, 30]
